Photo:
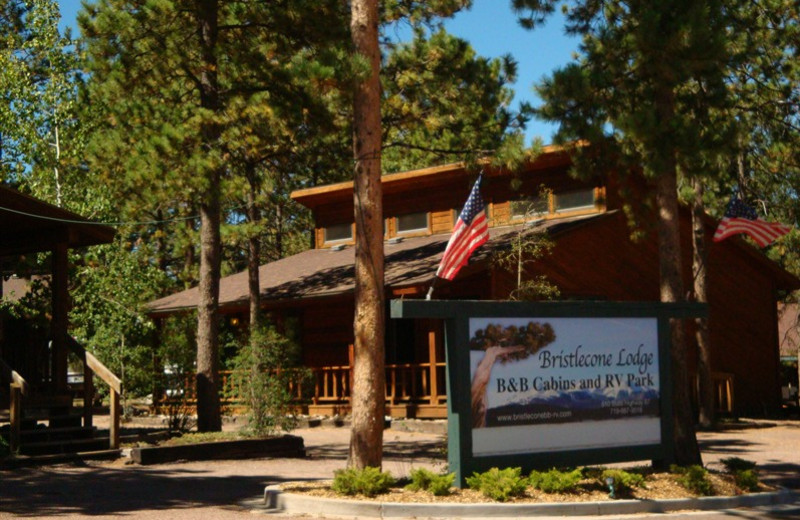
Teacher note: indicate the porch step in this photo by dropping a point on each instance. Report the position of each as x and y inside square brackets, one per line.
[47, 401]
[64, 446]
[64, 419]
[40, 460]
[5, 420]
[45, 434]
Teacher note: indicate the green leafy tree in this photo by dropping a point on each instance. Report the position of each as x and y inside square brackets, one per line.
[42, 138]
[527, 245]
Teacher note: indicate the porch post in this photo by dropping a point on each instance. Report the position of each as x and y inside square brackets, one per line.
[58, 325]
[434, 372]
[351, 356]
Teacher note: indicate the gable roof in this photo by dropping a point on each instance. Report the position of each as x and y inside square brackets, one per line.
[30, 225]
[327, 272]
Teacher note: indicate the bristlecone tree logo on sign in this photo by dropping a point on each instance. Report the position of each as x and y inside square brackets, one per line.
[563, 384]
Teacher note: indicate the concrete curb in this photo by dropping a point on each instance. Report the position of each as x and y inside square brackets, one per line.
[292, 503]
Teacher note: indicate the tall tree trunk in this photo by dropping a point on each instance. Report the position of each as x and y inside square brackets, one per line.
[705, 391]
[253, 251]
[188, 258]
[684, 438]
[368, 394]
[208, 403]
[687, 451]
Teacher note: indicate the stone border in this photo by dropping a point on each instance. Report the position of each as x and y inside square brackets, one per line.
[294, 503]
[285, 446]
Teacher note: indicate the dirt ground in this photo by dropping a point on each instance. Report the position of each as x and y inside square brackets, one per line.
[230, 489]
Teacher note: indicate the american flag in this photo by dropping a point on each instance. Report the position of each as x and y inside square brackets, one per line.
[470, 232]
[741, 218]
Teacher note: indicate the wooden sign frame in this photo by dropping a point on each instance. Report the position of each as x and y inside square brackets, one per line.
[457, 315]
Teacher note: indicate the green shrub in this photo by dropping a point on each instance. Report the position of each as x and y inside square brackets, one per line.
[265, 374]
[694, 478]
[426, 480]
[734, 464]
[624, 481]
[555, 481]
[368, 481]
[499, 484]
[746, 479]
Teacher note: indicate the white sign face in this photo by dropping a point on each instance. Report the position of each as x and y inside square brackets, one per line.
[563, 384]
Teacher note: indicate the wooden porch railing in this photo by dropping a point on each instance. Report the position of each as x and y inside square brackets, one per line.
[18, 387]
[92, 366]
[407, 383]
[723, 392]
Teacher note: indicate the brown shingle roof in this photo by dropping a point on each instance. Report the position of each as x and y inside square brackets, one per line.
[326, 272]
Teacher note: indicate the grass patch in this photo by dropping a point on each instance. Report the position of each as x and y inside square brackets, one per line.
[197, 438]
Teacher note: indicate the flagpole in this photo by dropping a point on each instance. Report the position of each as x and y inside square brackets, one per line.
[430, 289]
[470, 232]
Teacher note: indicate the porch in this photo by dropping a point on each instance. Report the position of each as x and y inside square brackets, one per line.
[413, 390]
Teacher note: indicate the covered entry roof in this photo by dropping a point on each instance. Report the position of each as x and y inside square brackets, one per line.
[29, 225]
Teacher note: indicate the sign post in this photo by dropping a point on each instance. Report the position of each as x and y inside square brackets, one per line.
[540, 385]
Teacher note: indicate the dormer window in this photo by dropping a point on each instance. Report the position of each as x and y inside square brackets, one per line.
[412, 223]
[338, 233]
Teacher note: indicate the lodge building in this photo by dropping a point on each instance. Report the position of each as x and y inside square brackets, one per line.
[594, 258]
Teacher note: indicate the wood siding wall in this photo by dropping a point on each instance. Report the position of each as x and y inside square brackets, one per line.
[444, 197]
[602, 263]
[327, 331]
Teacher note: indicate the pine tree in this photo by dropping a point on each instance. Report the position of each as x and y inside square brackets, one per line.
[177, 75]
[648, 74]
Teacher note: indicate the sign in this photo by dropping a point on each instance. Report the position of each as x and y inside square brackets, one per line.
[541, 385]
[545, 384]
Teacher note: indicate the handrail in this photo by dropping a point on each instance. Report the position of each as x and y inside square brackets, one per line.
[17, 388]
[12, 376]
[97, 367]
[92, 366]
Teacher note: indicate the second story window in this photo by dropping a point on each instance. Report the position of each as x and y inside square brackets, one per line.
[412, 223]
[338, 233]
[530, 208]
[574, 200]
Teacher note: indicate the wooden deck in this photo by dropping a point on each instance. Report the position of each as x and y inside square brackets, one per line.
[412, 390]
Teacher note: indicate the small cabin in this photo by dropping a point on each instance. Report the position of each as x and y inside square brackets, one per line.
[310, 295]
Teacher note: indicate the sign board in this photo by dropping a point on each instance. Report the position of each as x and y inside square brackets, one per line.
[556, 383]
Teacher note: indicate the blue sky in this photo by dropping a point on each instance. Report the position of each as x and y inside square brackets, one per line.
[493, 30]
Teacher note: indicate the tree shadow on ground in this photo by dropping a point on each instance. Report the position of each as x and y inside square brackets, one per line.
[733, 447]
[779, 473]
[72, 490]
[395, 449]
